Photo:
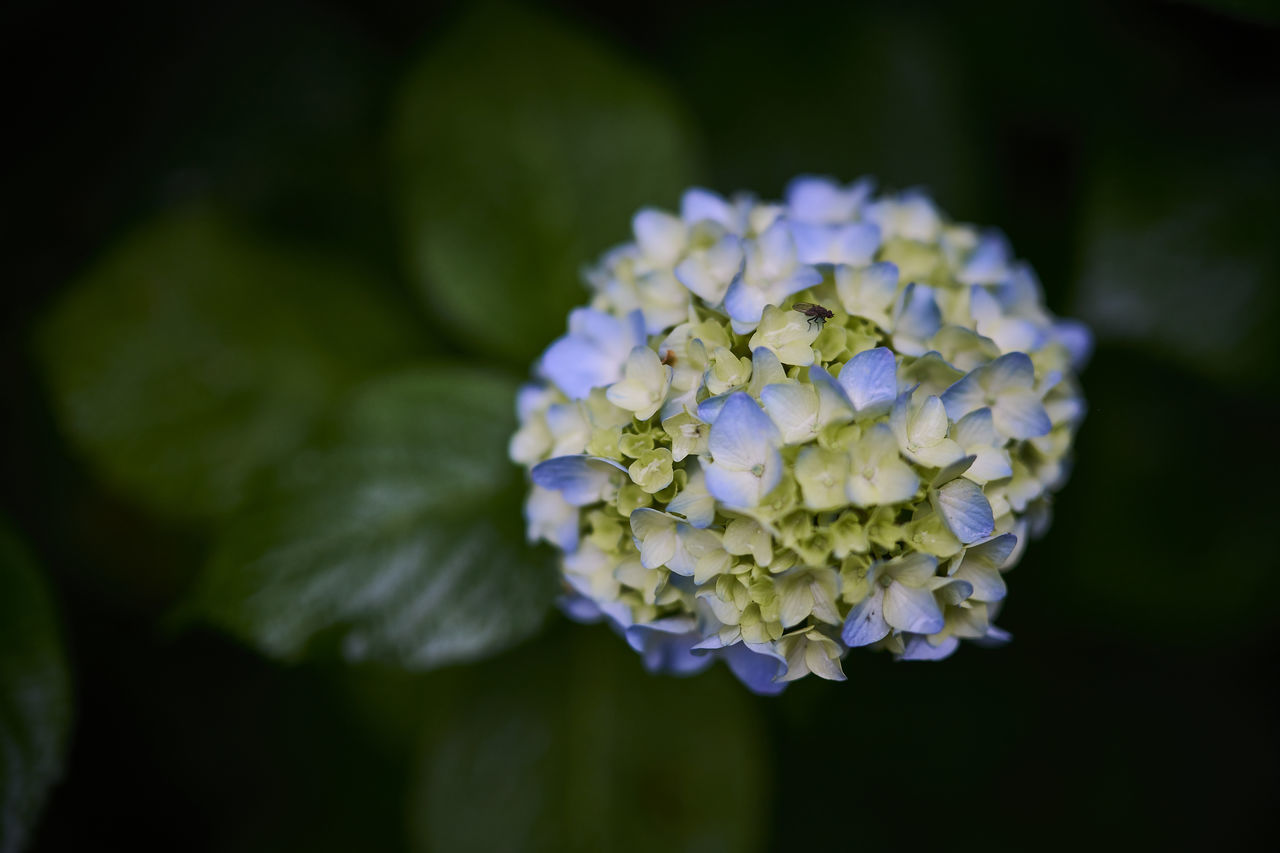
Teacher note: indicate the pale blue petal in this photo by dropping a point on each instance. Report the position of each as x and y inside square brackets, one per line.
[741, 489]
[855, 244]
[575, 366]
[593, 352]
[581, 480]
[954, 591]
[803, 277]
[880, 282]
[1020, 414]
[994, 552]
[659, 235]
[1011, 370]
[744, 304]
[965, 510]
[975, 429]
[757, 667]
[579, 608]
[821, 380]
[794, 408]
[1077, 338]
[955, 469]
[582, 608]
[528, 399]
[986, 582]
[918, 316]
[709, 644]
[995, 637]
[765, 369]
[695, 502]
[812, 198]
[743, 436]
[540, 511]
[700, 204]
[709, 409]
[776, 251]
[665, 645]
[964, 396]
[918, 647]
[870, 382]
[812, 242]
[989, 262]
[865, 624]
[912, 609]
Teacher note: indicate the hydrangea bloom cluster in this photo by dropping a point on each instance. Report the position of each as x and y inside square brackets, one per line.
[728, 475]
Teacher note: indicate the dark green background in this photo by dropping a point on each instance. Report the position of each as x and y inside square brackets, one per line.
[1129, 150]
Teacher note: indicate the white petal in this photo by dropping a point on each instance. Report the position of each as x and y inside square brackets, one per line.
[694, 502]
[765, 370]
[988, 585]
[989, 463]
[655, 535]
[914, 568]
[821, 665]
[796, 600]
[868, 291]
[794, 408]
[1020, 414]
[929, 423]
[939, 455]
[895, 482]
[912, 609]
[660, 235]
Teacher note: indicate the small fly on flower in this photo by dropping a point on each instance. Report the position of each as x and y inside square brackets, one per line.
[815, 313]
[668, 358]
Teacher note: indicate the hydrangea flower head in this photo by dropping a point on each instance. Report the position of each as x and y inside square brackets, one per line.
[731, 477]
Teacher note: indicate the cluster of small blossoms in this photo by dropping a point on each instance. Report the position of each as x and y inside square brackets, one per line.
[781, 431]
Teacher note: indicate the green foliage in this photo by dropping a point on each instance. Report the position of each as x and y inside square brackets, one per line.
[35, 693]
[578, 749]
[397, 538]
[1176, 258]
[192, 358]
[522, 151]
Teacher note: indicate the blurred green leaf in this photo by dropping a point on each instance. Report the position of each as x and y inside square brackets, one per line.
[570, 745]
[191, 358]
[523, 149]
[1156, 519]
[1177, 255]
[398, 539]
[35, 693]
[850, 89]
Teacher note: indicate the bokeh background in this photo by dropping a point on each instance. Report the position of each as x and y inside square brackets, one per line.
[273, 270]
